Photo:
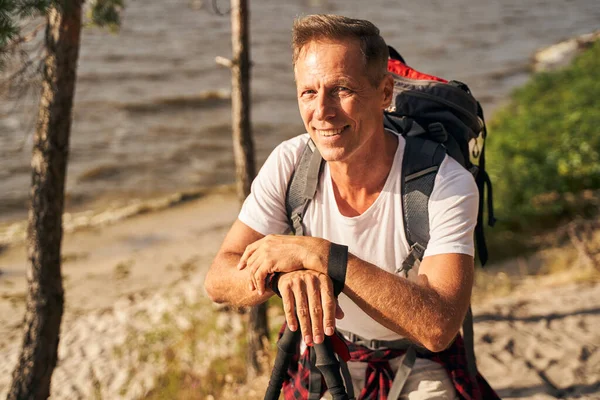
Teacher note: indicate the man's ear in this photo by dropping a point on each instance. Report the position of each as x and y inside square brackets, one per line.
[388, 90]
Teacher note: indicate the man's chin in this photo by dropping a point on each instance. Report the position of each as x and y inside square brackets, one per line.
[331, 148]
[332, 154]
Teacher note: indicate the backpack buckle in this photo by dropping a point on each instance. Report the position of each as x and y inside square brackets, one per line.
[437, 132]
[297, 224]
[413, 259]
[474, 170]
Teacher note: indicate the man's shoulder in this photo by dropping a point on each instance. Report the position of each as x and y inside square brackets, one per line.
[453, 180]
[295, 144]
[264, 209]
[282, 161]
[449, 169]
[452, 169]
[290, 150]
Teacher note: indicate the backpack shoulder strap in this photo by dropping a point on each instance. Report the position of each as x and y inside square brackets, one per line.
[420, 164]
[422, 159]
[303, 186]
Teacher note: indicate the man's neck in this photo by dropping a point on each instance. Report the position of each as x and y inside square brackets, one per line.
[357, 184]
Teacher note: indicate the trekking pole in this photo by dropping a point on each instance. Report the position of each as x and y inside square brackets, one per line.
[327, 363]
[286, 347]
[329, 366]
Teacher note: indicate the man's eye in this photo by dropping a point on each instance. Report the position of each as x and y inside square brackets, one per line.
[308, 93]
[342, 89]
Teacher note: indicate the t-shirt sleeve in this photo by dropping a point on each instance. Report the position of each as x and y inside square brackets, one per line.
[264, 209]
[453, 207]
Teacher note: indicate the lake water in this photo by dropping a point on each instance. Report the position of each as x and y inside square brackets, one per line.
[152, 113]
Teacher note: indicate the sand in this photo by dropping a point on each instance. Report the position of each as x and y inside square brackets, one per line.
[134, 285]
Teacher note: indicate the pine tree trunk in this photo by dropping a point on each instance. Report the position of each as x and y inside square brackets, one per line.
[258, 336]
[243, 149]
[45, 299]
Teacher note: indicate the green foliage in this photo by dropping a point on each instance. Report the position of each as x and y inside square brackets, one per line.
[10, 12]
[544, 146]
[8, 28]
[34, 8]
[102, 13]
[106, 13]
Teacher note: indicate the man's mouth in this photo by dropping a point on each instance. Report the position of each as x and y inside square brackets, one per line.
[330, 132]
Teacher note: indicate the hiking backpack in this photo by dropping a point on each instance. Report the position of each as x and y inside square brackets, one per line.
[437, 118]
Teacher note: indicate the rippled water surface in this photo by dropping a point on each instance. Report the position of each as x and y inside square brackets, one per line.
[152, 112]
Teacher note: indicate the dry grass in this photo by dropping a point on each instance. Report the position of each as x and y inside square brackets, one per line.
[567, 257]
[224, 377]
[123, 269]
[15, 299]
[70, 257]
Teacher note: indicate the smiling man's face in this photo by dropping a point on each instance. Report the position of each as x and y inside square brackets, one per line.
[341, 109]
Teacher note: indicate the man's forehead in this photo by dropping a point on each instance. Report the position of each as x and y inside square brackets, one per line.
[351, 45]
[317, 55]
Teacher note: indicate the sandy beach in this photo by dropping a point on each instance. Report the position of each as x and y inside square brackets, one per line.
[134, 288]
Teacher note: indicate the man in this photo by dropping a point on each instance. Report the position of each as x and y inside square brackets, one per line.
[343, 86]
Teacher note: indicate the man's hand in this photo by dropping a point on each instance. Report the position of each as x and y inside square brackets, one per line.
[308, 299]
[283, 253]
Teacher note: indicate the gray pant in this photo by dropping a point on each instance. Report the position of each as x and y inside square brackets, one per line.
[428, 380]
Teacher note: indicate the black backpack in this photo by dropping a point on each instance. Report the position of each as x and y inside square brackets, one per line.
[437, 118]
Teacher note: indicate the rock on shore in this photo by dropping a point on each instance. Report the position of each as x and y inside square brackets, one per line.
[561, 54]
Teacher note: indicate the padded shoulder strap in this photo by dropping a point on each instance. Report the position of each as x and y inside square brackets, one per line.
[421, 162]
[303, 186]
[422, 159]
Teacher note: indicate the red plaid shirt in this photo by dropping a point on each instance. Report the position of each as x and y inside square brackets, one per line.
[379, 375]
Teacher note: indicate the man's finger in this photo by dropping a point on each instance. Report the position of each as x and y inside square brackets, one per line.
[287, 296]
[252, 257]
[251, 286]
[302, 313]
[254, 263]
[315, 308]
[329, 304]
[260, 275]
[247, 253]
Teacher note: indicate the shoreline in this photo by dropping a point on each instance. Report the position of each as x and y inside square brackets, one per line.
[140, 253]
[13, 232]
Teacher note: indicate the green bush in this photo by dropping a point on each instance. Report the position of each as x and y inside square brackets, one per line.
[544, 146]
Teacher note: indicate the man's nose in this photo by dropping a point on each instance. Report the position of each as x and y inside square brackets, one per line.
[325, 107]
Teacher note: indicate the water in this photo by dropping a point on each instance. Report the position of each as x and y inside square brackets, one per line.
[152, 113]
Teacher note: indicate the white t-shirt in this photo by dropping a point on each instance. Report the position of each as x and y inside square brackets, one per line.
[377, 235]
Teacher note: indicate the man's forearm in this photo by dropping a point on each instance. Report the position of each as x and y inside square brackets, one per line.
[414, 310]
[429, 311]
[226, 284]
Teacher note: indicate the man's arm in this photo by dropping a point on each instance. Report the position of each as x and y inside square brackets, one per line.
[429, 311]
[305, 293]
[224, 282]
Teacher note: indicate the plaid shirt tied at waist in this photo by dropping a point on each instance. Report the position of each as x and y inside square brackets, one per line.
[379, 375]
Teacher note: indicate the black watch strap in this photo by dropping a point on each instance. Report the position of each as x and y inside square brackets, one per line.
[273, 281]
[336, 266]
